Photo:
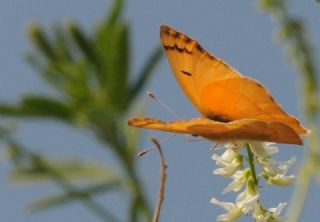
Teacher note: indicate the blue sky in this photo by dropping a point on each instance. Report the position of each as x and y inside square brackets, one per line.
[235, 31]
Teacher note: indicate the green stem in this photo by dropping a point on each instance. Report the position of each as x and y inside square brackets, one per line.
[138, 196]
[139, 201]
[299, 195]
[251, 163]
[305, 174]
[103, 213]
[296, 39]
[86, 199]
[55, 176]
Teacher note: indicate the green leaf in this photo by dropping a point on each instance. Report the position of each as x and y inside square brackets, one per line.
[115, 12]
[41, 41]
[68, 169]
[39, 107]
[119, 67]
[61, 45]
[46, 70]
[47, 202]
[146, 72]
[112, 49]
[133, 135]
[82, 41]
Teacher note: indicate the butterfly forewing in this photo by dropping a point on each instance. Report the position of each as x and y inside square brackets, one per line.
[192, 65]
[218, 91]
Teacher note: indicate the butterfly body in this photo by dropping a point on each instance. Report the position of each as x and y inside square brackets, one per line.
[233, 106]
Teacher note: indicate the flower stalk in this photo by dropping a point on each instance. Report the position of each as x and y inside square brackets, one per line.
[251, 163]
[246, 179]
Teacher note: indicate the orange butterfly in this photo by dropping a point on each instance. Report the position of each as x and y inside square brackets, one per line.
[234, 107]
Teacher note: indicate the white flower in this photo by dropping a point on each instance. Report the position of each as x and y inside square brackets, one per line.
[230, 161]
[262, 149]
[235, 146]
[273, 167]
[228, 170]
[281, 180]
[226, 158]
[239, 179]
[248, 199]
[270, 215]
[233, 212]
[274, 171]
[277, 210]
[245, 203]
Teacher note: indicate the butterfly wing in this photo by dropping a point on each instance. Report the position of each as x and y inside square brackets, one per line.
[192, 66]
[248, 129]
[218, 91]
[239, 98]
[236, 130]
[180, 126]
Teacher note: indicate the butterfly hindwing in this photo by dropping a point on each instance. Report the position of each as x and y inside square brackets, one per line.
[248, 129]
[218, 131]
[239, 98]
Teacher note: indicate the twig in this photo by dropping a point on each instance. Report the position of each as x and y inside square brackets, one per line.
[163, 177]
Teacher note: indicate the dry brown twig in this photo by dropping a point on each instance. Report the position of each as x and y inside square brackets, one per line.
[163, 177]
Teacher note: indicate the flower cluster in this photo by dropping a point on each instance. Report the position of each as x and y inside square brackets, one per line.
[244, 177]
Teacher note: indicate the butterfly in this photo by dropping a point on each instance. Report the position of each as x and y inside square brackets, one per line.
[232, 106]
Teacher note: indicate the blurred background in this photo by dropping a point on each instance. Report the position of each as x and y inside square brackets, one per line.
[74, 71]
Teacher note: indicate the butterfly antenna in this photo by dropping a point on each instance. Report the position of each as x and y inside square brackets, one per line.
[142, 153]
[152, 96]
[165, 106]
